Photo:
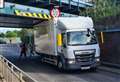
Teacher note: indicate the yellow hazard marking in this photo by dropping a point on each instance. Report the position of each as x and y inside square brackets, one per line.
[102, 37]
[17, 12]
[49, 17]
[29, 14]
[45, 16]
[35, 15]
[40, 15]
[24, 14]
[59, 40]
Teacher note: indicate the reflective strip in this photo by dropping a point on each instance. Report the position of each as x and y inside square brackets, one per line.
[102, 37]
[59, 40]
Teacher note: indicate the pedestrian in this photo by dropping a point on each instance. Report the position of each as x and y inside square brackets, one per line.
[23, 50]
[10, 41]
[31, 48]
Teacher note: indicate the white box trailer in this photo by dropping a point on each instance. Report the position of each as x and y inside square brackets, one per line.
[68, 42]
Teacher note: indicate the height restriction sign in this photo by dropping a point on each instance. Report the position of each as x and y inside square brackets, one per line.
[55, 12]
[1, 3]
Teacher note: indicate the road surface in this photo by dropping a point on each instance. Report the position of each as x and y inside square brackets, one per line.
[43, 72]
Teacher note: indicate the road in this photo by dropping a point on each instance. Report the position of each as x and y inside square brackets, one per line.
[43, 72]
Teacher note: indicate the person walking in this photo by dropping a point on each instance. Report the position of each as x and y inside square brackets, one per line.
[31, 48]
[23, 50]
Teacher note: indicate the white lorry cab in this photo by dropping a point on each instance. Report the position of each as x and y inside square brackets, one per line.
[68, 43]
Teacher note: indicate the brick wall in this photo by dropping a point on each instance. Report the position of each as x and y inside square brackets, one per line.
[110, 49]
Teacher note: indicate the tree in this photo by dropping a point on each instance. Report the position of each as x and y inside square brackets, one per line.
[10, 34]
[27, 36]
[17, 32]
[102, 8]
[2, 35]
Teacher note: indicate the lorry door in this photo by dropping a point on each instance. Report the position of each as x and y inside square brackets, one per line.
[64, 44]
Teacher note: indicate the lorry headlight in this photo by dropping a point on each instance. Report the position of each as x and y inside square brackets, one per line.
[71, 61]
[97, 59]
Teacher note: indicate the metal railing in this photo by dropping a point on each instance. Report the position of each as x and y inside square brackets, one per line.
[10, 73]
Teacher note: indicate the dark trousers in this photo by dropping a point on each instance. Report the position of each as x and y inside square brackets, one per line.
[23, 53]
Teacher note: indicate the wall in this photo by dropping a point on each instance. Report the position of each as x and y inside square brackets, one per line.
[13, 40]
[110, 49]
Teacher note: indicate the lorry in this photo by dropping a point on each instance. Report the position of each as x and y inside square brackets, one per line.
[68, 43]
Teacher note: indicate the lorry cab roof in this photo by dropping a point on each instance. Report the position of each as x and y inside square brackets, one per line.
[79, 22]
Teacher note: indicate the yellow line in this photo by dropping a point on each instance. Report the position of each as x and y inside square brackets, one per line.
[102, 37]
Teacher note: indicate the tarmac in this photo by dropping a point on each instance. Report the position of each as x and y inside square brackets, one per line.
[109, 69]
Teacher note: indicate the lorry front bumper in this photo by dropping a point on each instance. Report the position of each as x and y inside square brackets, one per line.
[82, 65]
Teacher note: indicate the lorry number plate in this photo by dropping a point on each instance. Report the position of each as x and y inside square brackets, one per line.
[85, 67]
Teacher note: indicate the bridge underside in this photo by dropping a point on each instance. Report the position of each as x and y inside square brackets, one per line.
[66, 6]
[11, 21]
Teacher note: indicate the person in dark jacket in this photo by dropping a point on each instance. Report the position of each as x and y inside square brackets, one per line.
[23, 50]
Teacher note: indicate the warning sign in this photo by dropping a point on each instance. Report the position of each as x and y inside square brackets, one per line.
[55, 12]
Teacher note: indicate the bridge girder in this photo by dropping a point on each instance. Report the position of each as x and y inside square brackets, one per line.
[11, 21]
[66, 6]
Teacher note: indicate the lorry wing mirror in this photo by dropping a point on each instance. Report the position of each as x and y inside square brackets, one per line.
[64, 45]
[88, 35]
[88, 32]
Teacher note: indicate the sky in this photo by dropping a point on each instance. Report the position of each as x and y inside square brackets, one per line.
[3, 30]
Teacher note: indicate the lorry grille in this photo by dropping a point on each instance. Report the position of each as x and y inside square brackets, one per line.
[84, 57]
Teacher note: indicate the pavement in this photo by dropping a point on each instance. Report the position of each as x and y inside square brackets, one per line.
[109, 69]
[1, 79]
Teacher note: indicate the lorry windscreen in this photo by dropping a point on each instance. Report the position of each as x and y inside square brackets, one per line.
[81, 38]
